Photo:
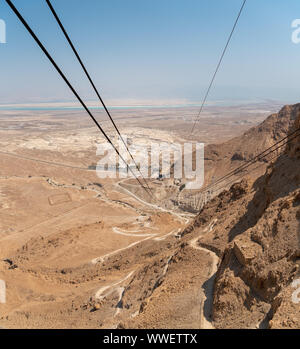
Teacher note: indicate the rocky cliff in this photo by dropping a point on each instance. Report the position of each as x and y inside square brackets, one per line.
[257, 237]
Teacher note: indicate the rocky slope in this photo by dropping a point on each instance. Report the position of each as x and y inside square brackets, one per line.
[257, 237]
[223, 158]
[232, 267]
[260, 137]
[253, 228]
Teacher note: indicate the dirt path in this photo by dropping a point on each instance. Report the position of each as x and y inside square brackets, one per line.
[132, 233]
[207, 298]
[115, 287]
[104, 257]
[100, 293]
[156, 207]
[148, 237]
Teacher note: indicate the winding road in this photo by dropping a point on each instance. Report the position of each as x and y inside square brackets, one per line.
[206, 309]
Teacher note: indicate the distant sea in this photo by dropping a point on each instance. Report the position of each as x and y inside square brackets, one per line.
[61, 108]
[96, 108]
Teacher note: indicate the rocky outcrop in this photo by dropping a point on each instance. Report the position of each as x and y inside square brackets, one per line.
[260, 238]
[221, 158]
[245, 250]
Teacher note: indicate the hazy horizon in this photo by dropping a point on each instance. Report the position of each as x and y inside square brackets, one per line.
[158, 51]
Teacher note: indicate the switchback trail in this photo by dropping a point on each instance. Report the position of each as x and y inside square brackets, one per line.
[207, 299]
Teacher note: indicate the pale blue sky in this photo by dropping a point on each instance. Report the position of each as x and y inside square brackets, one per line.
[153, 49]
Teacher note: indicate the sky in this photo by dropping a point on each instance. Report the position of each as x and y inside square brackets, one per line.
[156, 50]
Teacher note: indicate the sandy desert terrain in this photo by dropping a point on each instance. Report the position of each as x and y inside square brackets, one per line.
[71, 243]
